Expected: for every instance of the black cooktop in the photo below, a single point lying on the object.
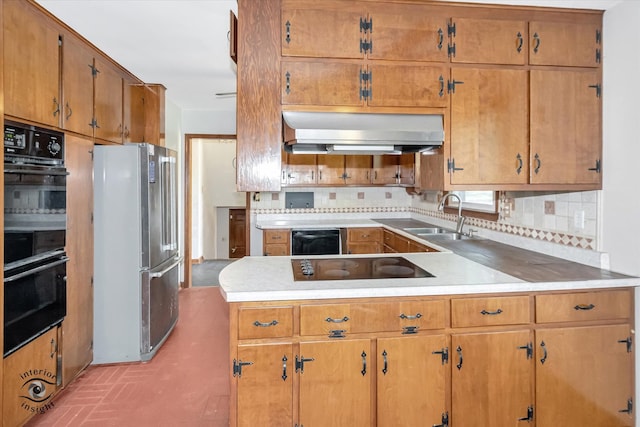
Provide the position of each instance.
(355, 268)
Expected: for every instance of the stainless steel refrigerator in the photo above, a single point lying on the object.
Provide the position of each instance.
(136, 259)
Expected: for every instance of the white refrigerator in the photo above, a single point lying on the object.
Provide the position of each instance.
(136, 259)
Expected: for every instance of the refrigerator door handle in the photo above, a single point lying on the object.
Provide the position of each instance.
(169, 238)
(161, 273)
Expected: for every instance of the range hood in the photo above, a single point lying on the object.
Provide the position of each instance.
(361, 133)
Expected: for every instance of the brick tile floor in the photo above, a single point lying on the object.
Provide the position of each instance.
(185, 384)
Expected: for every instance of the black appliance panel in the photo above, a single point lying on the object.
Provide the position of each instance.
(316, 242)
(356, 268)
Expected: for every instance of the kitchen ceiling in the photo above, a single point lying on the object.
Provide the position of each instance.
(184, 44)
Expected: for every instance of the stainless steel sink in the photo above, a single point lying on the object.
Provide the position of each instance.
(428, 230)
(447, 235)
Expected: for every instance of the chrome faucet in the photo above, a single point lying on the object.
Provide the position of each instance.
(461, 218)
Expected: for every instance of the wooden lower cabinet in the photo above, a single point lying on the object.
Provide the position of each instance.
(292, 368)
(584, 376)
(30, 379)
(411, 381)
(491, 379)
(265, 385)
(335, 383)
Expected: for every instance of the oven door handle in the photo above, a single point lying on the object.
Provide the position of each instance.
(36, 270)
(37, 172)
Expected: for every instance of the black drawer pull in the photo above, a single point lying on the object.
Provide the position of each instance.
(265, 325)
(584, 307)
(410, 317)
(491, 313)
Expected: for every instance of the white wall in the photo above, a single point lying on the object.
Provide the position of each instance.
(621, 121)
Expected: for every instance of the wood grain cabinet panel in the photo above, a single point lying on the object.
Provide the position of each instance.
(489, 123)
(491, 379)
(31, 64)
(566, 127)
(411, 381)
(336, 383)
(572, 44)
(323, 318)
(265, 385)
(77, 85)
(108, 101)
(489, 41)
(583, 306)
(275, 242)
(398, 316)
(584, 376)
(365, 240)
(272, 322)
(467, 312)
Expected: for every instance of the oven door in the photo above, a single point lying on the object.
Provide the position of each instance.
(316, 242)
(34, 297)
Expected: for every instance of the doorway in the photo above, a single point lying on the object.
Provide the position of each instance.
(237, 233)
(209, 184)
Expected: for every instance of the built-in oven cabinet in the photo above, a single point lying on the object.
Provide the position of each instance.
(31, 377)
(275, 242)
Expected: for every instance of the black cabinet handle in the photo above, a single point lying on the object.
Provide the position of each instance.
(544, 352)
(265, 325)
(491, 313)
(284, 367)
(384, 366)
(337, 320)
(519, 160)
(536, 40)
(584, 307)
(519, 42)
(364, 363)
(536, 159)
(459, 350)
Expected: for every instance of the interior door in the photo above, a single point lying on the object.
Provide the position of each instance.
(237, 227)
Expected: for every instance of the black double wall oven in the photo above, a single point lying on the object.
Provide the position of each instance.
(34, 233)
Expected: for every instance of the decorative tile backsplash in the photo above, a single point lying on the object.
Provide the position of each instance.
(565, 218)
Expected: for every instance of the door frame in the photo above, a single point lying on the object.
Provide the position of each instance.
(188, 198)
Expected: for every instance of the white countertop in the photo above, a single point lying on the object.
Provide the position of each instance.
(271, 279)
(318, 223)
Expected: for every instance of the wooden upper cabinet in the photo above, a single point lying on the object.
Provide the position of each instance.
(407, 32)
(133, 115)
(348, 29)
(489, 126)
(299, 169)
(108, 101)
(154, 113)
(327, 29)
(344, 169)
(565, 44)
(77, 85)
(31, 64)
(393, 169)
(566, 127)
(400, 85)
(488, 41)
(321, 83)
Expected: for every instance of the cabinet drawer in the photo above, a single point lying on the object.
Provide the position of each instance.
(396, 316)
(583, 306)
(365, 234)
(276, 236)
(272, 322)
(322, 319)
(490, 311)
(276, 250)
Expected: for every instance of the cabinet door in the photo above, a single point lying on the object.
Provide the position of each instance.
(489, 41)
(407, 86)
(335, 383)
(385, 170)
(411, 375)
(133, 106)
(29, 379)
(407, 166)
(154, 114)
(327, 29)
(565, 43)
(407, 32)
(108, 102)
(265, 386)
(491, 379)
(489, 126)
(78, 323)
(584, 376)
(300, 169)
(566, 127)
(331, 169)
(31, 64)
(357, 169)
(77, 86)
(321, 83)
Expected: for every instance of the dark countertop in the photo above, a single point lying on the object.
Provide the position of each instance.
(524, 264)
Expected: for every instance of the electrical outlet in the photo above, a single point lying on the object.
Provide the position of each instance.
(578, 220)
